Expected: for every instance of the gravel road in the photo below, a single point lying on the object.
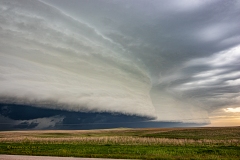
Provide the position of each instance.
(21, 157)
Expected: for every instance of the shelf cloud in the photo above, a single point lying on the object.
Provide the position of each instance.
(163, 60)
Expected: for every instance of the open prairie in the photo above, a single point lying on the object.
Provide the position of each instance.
(153, 143)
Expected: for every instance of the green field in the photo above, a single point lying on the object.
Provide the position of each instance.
(171, 143)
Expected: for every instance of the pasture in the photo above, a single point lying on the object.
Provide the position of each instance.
(125, 143)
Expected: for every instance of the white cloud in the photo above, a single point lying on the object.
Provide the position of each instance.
(41, 123)
(235, 110)
(210, 73)
(186, 5)
(65, 64)
(227, 57)
(235, 82)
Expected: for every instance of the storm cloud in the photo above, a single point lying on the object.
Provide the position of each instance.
(167, 61)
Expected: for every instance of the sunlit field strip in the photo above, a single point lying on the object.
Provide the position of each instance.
(185, 143)
(121, 140)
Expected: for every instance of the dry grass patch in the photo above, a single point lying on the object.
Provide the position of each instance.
(170, 143)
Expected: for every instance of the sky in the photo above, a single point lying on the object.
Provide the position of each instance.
(119, 63)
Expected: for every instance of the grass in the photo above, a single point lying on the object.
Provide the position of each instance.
(122, 151)
(200, 133)
(175, 143)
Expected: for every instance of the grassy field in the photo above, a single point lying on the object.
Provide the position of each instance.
(171, 143)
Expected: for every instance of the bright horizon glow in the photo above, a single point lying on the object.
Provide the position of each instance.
(225, 117)
(224, 121)
(232, 110)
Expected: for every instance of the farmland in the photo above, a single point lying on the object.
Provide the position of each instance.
(163, 143)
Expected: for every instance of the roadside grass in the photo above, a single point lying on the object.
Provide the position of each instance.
(175, 143)
(122, 151)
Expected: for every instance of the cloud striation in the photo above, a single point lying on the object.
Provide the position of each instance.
(163, 61)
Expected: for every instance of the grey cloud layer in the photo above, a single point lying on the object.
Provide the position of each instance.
(172, 60)
(218, 85)
(48, 59)
(190, 49)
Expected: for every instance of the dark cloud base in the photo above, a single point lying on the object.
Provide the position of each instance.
(22, 117)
